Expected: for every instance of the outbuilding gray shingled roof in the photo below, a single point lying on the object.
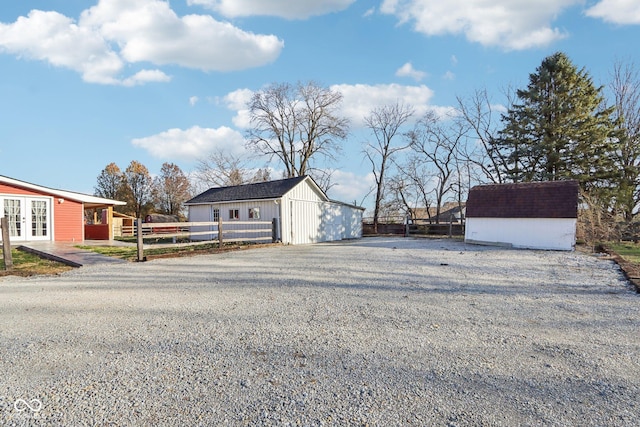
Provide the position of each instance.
(549, 199)
(256, 191)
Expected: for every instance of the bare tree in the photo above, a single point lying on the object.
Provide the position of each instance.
(437, 145)
(221, 169)
(139, 187)
(171, 189)
(478, 116)
(625, 87)
(296, 124)
(385, 123)
(416, 190)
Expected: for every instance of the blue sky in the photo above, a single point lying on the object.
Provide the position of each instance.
(85, 83)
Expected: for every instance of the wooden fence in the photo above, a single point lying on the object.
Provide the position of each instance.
(415, 226)
(204, 231)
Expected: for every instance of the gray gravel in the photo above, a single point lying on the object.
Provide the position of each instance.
(376, 332)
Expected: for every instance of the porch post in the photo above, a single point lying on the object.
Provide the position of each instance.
(110, 221)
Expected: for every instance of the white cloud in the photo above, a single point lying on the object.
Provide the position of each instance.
(616, 11)
(357, 101)
(115, 33)
(369, 12)
(298, 9)
(511, 24)
(350, 187)
(360, 99)
(449, 76)
(237, 101)
(192, 143)
(193, 100)
(146, 76)
(407, 70)
(52, 37)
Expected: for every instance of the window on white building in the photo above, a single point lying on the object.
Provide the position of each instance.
(254, 213)
(234, 214)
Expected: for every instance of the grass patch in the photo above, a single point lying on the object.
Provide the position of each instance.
(26, 264)
(130, 253)
(627, 250)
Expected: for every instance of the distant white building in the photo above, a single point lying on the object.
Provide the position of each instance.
(303, 212)
(533, 215)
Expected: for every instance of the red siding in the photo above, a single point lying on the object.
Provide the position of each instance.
(6, 189)
(68, 221)
(96, 231)
(68, 217)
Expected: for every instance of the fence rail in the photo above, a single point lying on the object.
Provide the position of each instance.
(203, 231)
(415, 226)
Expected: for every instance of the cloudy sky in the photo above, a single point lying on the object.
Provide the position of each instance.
(85, 83)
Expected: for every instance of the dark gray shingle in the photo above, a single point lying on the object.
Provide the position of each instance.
(257, 191)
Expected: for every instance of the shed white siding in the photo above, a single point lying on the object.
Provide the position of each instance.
(303, 213)
(268, 209)
(351, 222)
(526, 233)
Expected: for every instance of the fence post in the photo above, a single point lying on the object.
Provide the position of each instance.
(274, 230)
(407, 232)
(220, 231)
(6, 244)
(140, 240)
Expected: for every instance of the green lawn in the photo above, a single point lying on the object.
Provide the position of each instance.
(627, 250)
(26, 264)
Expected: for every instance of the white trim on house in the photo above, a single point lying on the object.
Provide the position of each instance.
(87, 199)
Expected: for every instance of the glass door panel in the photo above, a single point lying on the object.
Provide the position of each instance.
(39, 216)
(13, 213)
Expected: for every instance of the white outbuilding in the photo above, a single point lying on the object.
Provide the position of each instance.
(533, 215)
(301, 211)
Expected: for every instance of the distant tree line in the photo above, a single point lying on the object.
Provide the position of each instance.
(166, 193)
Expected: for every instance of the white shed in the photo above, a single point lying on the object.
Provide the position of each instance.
(533, 215)
(303, 212)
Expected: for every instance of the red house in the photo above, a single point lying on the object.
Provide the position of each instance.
(35, 213)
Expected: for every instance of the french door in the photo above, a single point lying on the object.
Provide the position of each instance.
(29, 218)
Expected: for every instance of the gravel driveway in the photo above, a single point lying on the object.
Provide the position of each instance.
(378, 332)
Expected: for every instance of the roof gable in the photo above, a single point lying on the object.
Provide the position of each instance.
(256, 191)
(550, 199)
(78, 197)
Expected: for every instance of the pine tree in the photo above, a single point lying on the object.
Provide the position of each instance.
(559, 128)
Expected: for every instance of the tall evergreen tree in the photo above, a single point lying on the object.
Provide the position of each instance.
(559, 128)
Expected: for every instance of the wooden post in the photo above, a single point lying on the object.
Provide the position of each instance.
(140, 240)
(274, 230)
(220, 231)
(6, 244)
(406, 226)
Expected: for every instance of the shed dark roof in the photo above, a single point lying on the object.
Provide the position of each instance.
(550, 199)
(257, 191)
